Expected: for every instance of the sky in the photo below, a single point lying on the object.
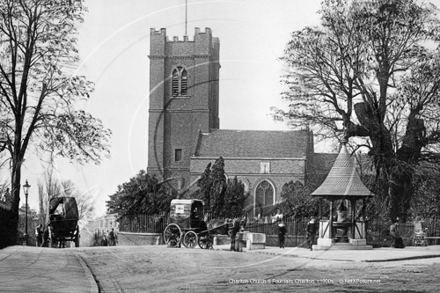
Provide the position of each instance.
(113, 42)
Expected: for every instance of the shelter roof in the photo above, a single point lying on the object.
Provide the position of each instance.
(343, 180)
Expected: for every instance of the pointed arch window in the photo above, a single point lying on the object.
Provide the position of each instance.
(179, 82)
(264, 197)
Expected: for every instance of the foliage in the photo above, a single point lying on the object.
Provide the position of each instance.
(426, 203)
(297, 200)
(205, 183)
(221, 198)
(235, 197)
(39, 89)
(371, 71)
(218, 188)
(142, 194)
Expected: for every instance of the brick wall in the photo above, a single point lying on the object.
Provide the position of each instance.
(175, 121)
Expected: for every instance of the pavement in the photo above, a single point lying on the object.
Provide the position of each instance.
(383, 254)
(41, 269)
(38, 269)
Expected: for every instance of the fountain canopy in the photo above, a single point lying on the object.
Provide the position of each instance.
(343, 181)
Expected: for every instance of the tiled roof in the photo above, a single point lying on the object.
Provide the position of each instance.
(253, 144)
(343, 180)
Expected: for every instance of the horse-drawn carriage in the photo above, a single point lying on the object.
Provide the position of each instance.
(186, 225)
(63, 221)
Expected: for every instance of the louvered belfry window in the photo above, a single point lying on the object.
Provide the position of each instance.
(179, 82)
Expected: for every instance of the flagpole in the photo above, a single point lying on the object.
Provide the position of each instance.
(186, 17)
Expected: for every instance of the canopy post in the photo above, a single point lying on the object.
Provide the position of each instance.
(330, 224)
(353, 220)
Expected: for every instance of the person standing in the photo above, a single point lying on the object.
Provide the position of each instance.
(394, 232)
(112, 237)
(235, 229)
(47, 237)
(311, 233)
(104, 240)
(281, 234)
(39, 235)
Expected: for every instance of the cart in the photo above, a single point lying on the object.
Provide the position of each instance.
(63, 221)
(186, 225)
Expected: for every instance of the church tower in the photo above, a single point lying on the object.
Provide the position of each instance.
(184, 101)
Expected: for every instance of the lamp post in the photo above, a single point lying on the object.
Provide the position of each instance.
(26, 192)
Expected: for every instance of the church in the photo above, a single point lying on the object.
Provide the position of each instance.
(184, 127)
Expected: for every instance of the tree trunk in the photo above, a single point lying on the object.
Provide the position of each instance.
(12, 238)
(7, 232)
(382, 153)
(401, 192)
(394, 167)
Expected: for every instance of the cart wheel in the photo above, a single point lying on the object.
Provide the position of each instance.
(172, 235)
(190, 239)
(205, 242)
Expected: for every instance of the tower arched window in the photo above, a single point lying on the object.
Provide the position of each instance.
(179, 82)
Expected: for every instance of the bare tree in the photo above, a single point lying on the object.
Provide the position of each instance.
(52, 188)
(39, 89)
(84, 200)
(371, 71)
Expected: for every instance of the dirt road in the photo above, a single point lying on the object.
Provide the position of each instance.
(161, 269)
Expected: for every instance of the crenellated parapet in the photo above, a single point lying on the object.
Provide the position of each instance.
(203, 45)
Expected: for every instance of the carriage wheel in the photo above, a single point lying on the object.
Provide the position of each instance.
(205, 242)
(190, 239)
(172, 235)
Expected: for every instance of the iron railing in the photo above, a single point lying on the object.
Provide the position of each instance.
(296, 228)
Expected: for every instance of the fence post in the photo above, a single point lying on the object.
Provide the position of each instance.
(296, 231)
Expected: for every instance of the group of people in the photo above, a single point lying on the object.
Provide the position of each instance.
(233, 227)
(311, 230)
(42, 236)
(109, 238)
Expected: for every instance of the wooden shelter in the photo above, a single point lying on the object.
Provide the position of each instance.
(343, 184)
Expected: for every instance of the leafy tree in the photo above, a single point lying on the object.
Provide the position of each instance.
(218, 188)
(221, 198)
(142, 194)
(297, 200)
(39, 89)
(371, 71)
(205, 183)
(426, 202)
(235, 197)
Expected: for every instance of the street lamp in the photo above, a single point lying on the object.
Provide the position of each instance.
(26, 192)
